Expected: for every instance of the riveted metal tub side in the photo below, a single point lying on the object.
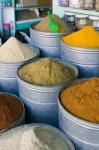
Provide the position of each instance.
(41, 112)
(79, 144)
(49, 43)
(41, 103)
(38, 94)
(84, 134)
(45, 38)
(87, 60)
(80, 55)
(53, 51)
(8, 80)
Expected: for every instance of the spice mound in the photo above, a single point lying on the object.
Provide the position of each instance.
(29, 137)
(82, 99)
(46, 72)
(13, 51)
(10, 110)
(44, 25)
(87, 37)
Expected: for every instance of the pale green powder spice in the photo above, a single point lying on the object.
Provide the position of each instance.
(46, 72)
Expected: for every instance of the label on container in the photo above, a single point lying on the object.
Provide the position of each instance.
(70, 19)
(88, 4)
(97, 5)
(7, 31)
(80, 22)
(74, 3)
(95, 23)
(64, 3)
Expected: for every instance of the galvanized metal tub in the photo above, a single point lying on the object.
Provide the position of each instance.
(20, 120)
(49, 43)
(87, 60)
(41, 101)
(8, 75)
(84, 134)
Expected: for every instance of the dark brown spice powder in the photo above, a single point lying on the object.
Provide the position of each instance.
(10, 110)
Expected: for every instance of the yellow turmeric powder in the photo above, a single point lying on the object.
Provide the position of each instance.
(87, 37)
(82, 99)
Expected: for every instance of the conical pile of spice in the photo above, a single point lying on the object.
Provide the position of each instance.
(44, 24)
(87, 37)
(82, 99)
(14, 51)
(47, 72)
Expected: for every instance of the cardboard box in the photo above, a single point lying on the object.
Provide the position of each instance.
(27, 3)
(44, 2)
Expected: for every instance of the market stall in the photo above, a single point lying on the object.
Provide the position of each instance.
(49, 75)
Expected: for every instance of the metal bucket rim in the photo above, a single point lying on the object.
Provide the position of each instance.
(70, 135)
(69, 65)
(21, 115)
(6, 78)
(10, 65)
(75, 63)
(48, 33)
(72, 117)
(40, 46)
(38, 87)
(34, 102)
(85, 50)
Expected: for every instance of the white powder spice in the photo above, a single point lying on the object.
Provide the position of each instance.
(29, 137)
(40, 138)
(10, 140)
(14, 51)
(75, 3)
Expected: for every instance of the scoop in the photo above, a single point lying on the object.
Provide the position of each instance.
(54, 26)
